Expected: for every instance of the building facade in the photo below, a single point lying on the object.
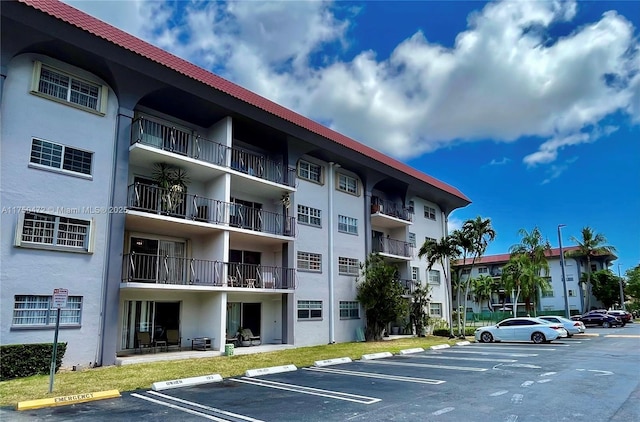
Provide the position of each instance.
(166, 198)
(549, 300)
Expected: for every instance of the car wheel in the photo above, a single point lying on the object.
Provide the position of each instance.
(569, 335)
(623, 324)
(606, 324)
(486, 337)
(538, 338)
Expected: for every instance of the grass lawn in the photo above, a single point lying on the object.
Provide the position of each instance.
(134, 377)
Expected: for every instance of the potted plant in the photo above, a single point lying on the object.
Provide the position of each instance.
(172, 182)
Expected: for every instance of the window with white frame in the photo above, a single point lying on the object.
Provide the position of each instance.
(572, 293)
(569, 278)
(431, 239)
(347, 184)
(349, 310)
(347, 224)
(466, 271)
(434, 277)
(415, 273)
(66, 88)
(547, 293)
(308, 261)
(412, 239)
(60, 157)
(310, 216)
(37, 230)
(429, 212)
(411, 207)
(309, 309)
(483, 270)
(30, 311)
(309, 171)
(348, 266)
(435, 310)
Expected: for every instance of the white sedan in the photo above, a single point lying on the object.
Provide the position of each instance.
(521, 329)
(572, 327)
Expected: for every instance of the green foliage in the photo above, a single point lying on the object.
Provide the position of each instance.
(444, 332)
(633, 283)
(419, 312)
(380, 294)
(25, 360)
(606, 287)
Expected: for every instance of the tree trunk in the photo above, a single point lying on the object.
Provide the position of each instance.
(588, 289)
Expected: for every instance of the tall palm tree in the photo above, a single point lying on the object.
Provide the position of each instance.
(478, 233)
(513, 276)
(535, 248)
(440, 252)
(591, 244)
(464, 244)
(483, 287)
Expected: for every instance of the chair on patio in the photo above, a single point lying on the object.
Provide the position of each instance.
(229, 339)
(174, 339)
(143, 338)
(248, 339)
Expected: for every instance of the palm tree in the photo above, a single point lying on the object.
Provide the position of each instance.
(535, 249)
(477, 233)
(483, 287)
(513, 274)
(465, 246)
(440, 252)
(591, 244)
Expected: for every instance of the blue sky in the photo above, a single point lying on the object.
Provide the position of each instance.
(531, 108)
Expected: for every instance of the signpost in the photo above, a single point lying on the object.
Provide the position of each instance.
(60, 297)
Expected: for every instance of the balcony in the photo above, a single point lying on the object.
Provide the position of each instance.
(158, 201)
(389, 214)
(408, 286)
(393, 248)
(154, 269)
(148, 135)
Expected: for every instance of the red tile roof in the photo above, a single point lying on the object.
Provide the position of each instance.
(122, 39)
(501, 258)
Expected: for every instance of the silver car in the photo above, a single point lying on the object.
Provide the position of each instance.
(572, 327)
(521, 329)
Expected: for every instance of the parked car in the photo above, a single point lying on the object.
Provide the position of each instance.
(624, 316)
(572, 327)
(597, 318)
(521, 329)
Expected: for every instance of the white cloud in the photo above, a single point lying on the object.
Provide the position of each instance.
(500, 162)
(555, 170)
(454, 223)
(504, 78)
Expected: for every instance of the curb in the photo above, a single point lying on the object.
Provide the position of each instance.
(410, 351)
(67, 400)
(270, 370)
(377, 355)
(463, 343)
(328, 362)
(439, 346)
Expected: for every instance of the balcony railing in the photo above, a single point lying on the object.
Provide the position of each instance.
(390, 208)
(393, 247)
(409, 286)
(151, 268)
(198, 208)
(167, 138)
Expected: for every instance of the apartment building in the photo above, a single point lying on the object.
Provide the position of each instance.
(166, 198)
(551, 299)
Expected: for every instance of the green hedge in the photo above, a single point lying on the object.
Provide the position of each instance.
(25, 360)
(444, 332)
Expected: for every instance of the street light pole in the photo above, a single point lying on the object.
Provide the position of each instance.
(624, 308)
(564, 280)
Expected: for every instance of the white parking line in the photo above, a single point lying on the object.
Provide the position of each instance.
(517, 398)
(338, 395)
(459, 358)
(536, 349)
(546, 374)
(527, 384)
(544, 381)
(212, 409)
(511, 418)
(422, 365)
(442, 411)
(182, 409)
(469, 352)
(499, 393)
(378, 376)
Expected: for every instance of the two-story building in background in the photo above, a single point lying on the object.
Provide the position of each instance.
(550, 300)
(164, 197)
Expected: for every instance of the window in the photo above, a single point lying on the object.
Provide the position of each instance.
(350, 266)
(347, 184)
(569, 278)
(594, 267)
(430, 239)
(483, 270)
(466, 271)
(429, 213)
(434, 277)
(547, 293)
(411, 207)
(56, 156)
(415, 273)
(308, 215)
(572, 293)
(38, 230)
(412, 239)
(308, 261)
(35, 311)
(349, 310)
(435, 309)
(60, 86)
(347, 224)
(309, 309)
(309, 171)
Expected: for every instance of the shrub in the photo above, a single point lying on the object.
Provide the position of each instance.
(25, 360)
(444, 332)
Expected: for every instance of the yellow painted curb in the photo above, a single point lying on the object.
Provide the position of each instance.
(65, 400)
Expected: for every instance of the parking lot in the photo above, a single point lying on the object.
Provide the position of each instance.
(594, 377)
